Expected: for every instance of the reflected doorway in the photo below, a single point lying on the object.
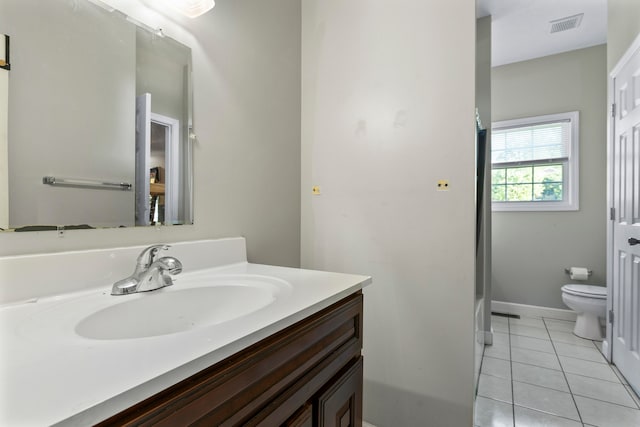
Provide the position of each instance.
(157, 165)
(163, 173)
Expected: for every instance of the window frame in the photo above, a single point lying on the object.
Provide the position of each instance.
(570, 174)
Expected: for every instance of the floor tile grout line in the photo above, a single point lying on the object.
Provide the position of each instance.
(541, 386)
(557, 356)
(495, 376)
(580, 358)
(573, 398)
(605, 401)
(563, 355)
(491, 357)
(632, 394)
(567, 392)
(595, 378)
(495, 399)
(600, 379)
(529, 326)
(537, 366)
(529, 349)
(550, 413)
(619, 375)
(526, 407)
(592, 346)
(576, 344)
(529, 336)
(480, 369)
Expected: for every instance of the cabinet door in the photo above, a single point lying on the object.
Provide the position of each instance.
(340, 405)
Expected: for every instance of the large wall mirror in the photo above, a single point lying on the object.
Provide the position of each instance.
(99, 119)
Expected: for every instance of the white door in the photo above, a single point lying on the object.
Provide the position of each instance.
(143, 154)
(625, 272)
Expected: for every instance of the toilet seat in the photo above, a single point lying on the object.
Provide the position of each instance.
(587, 291)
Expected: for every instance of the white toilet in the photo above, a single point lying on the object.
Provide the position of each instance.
(590, 303)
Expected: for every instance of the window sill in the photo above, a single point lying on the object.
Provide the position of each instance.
(534, 207)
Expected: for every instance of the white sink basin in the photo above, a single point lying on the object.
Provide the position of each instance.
(189, 304)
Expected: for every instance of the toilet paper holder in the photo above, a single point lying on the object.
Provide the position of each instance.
(568, 271)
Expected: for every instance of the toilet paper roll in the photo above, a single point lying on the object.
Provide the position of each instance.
(578, 273)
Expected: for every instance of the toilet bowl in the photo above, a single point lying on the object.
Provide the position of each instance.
(590, 303)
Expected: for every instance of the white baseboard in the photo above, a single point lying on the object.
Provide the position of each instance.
(488, 337)
(605, 349)
(532, 310)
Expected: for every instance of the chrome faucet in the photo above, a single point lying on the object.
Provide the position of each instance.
(150, 273)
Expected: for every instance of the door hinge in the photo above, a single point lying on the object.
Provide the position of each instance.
(612, 214)
(613, 110)
(611, 316)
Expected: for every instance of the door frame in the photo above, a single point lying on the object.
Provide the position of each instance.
(172, 165)
(142, 151)
(607, 348)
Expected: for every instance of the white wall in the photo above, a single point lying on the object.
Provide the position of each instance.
(387, 111)
(246, 57)
(532, 249)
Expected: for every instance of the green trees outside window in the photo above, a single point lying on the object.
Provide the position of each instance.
(527, 183)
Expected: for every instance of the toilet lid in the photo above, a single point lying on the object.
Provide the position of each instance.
(586, 290)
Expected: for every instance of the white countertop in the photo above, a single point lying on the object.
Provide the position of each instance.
(51, 375)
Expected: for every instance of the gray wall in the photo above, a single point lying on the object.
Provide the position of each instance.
(623, 27)
(246, 57)
(388, 110)
(531, 249)
(163, 69)
(161, 65)
(56, 109)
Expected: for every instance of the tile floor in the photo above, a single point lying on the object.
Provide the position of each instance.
(537, 373)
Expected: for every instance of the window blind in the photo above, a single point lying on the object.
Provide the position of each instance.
(532, 143)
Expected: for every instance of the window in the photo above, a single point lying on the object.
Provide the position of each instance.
(535, 163)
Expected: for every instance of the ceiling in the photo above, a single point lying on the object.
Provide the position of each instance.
(521, 28)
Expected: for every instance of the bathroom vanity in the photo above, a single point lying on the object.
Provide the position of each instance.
(308, 374)
(230, 343)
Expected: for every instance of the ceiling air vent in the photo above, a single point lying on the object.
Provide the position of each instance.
(568, 23)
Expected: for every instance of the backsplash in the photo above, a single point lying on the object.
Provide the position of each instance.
(34, 276)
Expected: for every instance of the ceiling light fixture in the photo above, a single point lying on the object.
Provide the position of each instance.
(191, 8)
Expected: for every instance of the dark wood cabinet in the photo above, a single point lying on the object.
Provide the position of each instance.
(341, 404)
(302, 418)
(308, 375)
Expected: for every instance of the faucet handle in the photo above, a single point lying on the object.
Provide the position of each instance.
(170, 265)
(148, 255)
